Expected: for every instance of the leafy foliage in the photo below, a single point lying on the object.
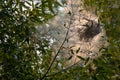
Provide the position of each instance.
(25, 56)
(20, 49)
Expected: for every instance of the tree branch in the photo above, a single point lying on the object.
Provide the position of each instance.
(62, 70)
(45, 75)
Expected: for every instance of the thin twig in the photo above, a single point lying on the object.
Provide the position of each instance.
(58, 50)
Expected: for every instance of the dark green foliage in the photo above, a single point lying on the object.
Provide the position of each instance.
(18, 43)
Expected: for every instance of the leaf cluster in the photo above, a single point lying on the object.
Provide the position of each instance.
(20, 50)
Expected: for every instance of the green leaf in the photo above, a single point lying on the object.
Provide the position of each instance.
(26, 7)
(28, 3)
(57, 3)
(50, 6)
